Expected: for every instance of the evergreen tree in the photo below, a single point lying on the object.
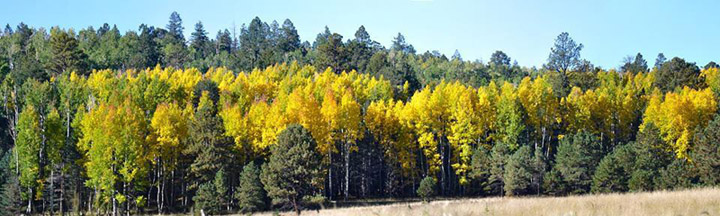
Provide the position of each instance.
(205, 199)
(707, 153)
(249, 193)
(635, 65)
(199, 41)
(332, 53)
(518, 172)
(400, 45)
(10, 201)
(360, 50)
(211, 197)
(224, 42)
(290, 40)
(575, 161)
(660, 60)
(480, 169)
(66, 56)
(677, 175)
(651, 156)
(426, 189)
(254, 44)
(553, 183)
(614, 170)
(539, 165)
(175, 28)
(677, 73)
(498, 161)
(209, 147)
(564, 55)
(293, 172)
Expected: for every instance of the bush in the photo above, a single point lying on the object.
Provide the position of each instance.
(427, 188)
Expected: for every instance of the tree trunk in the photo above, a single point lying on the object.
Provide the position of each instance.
(442, 168)
(295, 206)
(29, 206)
(52, 191)
(347, 170)
(330, 179)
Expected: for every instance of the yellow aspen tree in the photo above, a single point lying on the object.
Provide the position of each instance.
(679, 114)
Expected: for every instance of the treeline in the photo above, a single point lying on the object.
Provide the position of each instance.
(338, 120)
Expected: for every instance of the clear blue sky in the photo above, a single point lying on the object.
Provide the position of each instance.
(525, 30)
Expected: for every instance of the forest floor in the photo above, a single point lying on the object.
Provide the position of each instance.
(704, 201)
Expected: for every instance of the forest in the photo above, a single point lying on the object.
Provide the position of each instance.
(95, 121)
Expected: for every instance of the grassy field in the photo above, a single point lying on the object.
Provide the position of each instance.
(688, 202)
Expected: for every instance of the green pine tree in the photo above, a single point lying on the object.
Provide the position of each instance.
(575, 161)
(707, 153)
(498, 160)
(293, 172)
(614, 170)
(249, 193)
(518, 172)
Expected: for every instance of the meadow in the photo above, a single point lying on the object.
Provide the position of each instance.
(684, 202)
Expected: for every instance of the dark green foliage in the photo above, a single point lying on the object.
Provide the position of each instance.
(211, 196)
(10, 200)
(208, 174)
(553, 183)
(650, 158)
(677, 73)
(208, 86)
(501, 68)
(575, 161)
(175, 28)
(635, 65)
(499, 157)
(706, 154)
(293, 171)
(614, 170)
(480, 169)
(711, 64)
(660, 60)
(426, 189)
(66, 56)
(399, 44)
(209, 147)
(199, 42)
(332, 53)
(564, 55)
(539, 168)
(518, 172)
(360, 50)
(249, 193)
(254, 44)
(678, 175)
(290, 40)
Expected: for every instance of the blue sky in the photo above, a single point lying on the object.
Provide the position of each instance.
(525, 30)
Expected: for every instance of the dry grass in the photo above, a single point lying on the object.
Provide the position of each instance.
(688, 202)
